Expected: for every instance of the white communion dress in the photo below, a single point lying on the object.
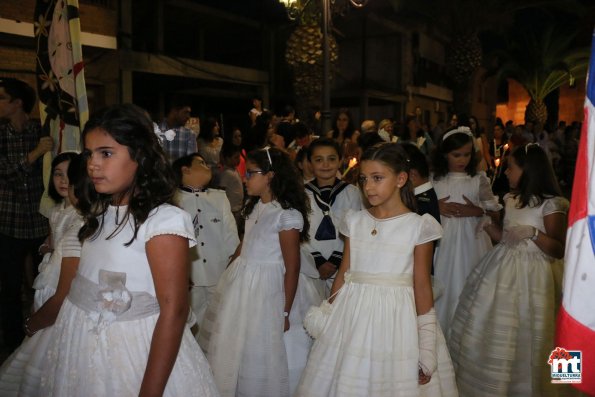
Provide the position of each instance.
(503, 329)
(242, 331)
(369, 345)
(20, 374)
(103, 333)
(61, 219)
(461, 247)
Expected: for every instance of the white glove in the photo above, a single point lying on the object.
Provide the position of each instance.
(482, 224)
(518, 233)
(426, 331)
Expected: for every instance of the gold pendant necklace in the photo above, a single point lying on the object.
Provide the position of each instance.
(374, 230)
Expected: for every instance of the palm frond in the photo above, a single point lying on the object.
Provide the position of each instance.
(542, 61)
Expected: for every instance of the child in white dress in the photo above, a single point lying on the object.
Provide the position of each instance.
(122, 329)
(464, 198)
(242, 332)
(503, 329)
(20, 375)
(382, 337)
(60, 218)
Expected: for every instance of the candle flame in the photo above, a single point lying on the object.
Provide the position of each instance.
(497, 162)
(352, 163)
(506, 147)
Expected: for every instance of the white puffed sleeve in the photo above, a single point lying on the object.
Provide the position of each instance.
(555, 205)
(344, 228)
(290, 219)
(70, 244)
(489, 201)
(429, 229)
(167, 219)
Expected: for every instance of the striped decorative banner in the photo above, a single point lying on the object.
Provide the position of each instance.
(60, 77)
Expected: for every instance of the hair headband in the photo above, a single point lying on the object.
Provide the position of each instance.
(528, 145)
(460, 130)
(266, 148)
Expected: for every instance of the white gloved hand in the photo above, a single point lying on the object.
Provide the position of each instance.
(426, 330)
(518, 233)
(482, 224)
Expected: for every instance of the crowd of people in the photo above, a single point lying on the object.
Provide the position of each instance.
(282, 260)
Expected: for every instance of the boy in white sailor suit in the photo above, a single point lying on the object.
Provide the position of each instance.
(330, 198)
(214, 227)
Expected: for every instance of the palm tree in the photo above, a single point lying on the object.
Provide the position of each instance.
(542, 61)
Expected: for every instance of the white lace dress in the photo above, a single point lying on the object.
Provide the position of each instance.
(102, 336)
(20, 374)
(503, 329)
(461, 247)
(369, 346)
(242, 331)
(61, 219)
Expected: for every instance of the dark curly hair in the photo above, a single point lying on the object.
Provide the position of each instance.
(538, 180)
(154, 183)
(286, 185)
(394, 157)
(445, 146)
(77, 175)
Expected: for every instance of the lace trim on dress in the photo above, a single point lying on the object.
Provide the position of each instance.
(555, 205)
(190, 237)
(291, 219)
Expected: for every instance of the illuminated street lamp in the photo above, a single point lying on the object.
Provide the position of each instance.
(293, 8)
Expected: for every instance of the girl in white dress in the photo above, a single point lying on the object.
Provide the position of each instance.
(242, 331)
(382, 337)
(122, 329)
(60, 218)
(503, 329)
(20, 374)
(464, 198)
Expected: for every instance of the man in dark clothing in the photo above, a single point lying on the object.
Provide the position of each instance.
(22, 228)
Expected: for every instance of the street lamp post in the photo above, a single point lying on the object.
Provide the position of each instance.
(326, 68)
(294, 9)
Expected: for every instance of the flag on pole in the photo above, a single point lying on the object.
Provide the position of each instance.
(575, 329)
(60, 77)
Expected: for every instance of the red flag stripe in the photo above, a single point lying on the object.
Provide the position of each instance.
(573, 335)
